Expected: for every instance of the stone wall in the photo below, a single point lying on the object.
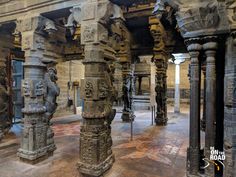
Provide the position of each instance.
(77, 73)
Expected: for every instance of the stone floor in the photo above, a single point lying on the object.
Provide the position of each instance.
(154, 151)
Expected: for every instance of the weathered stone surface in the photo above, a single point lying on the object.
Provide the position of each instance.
(230, 107)
(4, 97)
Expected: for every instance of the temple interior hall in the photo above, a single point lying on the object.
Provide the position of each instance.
(117, 88)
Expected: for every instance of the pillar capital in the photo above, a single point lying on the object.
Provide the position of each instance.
(193, 44)
(36, 23)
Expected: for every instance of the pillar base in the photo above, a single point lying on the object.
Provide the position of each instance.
(127, 116)
(193, 161)
(33, 157)
(210, 170)
(96, 170)
(161, 120)
(50, 141)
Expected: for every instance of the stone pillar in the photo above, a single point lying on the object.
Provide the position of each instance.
(152, 89)
(193, 155)
(203, 120)
(4, 98)
(177, 89)
(97, 90)
(127, 73)
(210, 47)
(34, 141)
(160, 60)
(230, 107)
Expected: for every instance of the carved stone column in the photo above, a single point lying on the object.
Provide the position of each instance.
(34, 140)
(127, 89)
(124, 55)
(193, 155)
(160, 60)
(3, 94)
(98, 93)
(210, 47)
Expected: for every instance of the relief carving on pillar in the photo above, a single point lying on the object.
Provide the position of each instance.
(89, 89)
(88, 34)
(160, 60)
(4, 99)
(33, 88)
(103, 90)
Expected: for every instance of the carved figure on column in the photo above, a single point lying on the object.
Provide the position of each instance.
(127, 89)
(52, 92)
(160, 60)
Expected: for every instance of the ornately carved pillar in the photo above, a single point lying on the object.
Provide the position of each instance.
(96, 155)
(35, 144)
(127, 88)
(3, 94)
(160, 60)
(193, 155)
(210, 47)
(124, 56)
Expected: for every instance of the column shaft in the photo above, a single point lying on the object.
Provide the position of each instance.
(194, 133)
(210, 51)
(177, 89)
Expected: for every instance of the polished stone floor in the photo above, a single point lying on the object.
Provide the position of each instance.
(154, 151)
